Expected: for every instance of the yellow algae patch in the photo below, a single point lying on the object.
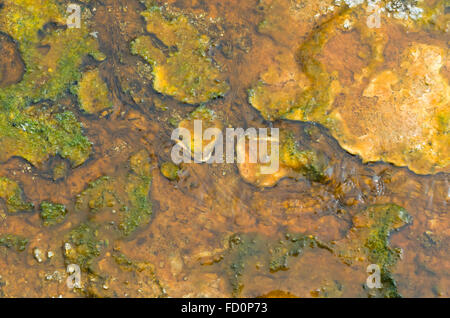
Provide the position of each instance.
(398, 115)
(406, 121)
(286, 20)
(51, 55)
(280, 89)
(22, 19)
(93, 93)
(317, 92)
(181, 66)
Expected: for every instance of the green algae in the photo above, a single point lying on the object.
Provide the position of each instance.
(52, 55)
(16, 242)
(293, 246)
(82, 245)
(138, 188)
(181, 68)
(436, 17)
(22, 19)
(148, 269)
(372, 228)
(136, 277)
(98, 194)
(52, 60)
(241, 248)
(309, 163)
(125, 197)
(369, 240)
(202, 113)
(251, 250)
(38, 132)
(52, 213)
(13, 196)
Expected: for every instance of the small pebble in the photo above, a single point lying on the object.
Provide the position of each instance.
(38, 255)
(67, 247)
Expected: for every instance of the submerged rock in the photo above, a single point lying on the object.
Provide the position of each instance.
(11, 64)
(123, 199)
(38, 255)
(181, 66)
(117, 275)
(170, 170)
(93, 93)
(16, 242)
(12, 194)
